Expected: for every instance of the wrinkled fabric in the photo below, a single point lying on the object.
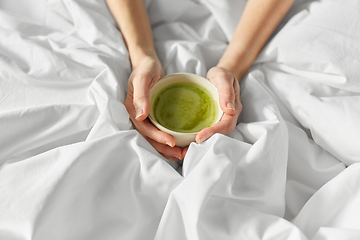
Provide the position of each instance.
(73, 167)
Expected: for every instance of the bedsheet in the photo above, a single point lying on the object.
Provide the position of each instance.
(72, 166)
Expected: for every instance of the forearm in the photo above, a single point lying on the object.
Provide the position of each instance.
(259, 20)
(132, 19)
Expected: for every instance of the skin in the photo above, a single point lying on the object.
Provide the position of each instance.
(259, 20)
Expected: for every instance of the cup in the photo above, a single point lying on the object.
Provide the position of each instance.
(183, 139)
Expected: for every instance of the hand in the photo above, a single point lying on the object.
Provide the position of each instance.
(145, 74)
(229, 97)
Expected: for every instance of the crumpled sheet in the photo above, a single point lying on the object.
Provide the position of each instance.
(72, 166)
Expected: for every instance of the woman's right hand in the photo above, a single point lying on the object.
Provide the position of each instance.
(146, 72)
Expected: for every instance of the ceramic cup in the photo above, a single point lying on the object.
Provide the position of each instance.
(182, 139)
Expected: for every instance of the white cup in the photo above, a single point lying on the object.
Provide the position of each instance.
(183, 139)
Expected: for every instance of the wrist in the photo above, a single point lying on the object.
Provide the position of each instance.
(137, 54)
(232, 67)
(237, 62)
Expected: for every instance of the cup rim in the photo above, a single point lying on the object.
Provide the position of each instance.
(171, 132)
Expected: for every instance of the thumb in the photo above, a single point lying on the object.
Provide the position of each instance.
(225, 87)
(141, 100)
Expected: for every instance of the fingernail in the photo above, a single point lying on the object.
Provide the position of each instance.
(202, 140)
(139, 112)
(179, 158)
(168, 143)
(230, 106)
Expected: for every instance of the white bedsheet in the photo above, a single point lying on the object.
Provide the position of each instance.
(72, 167)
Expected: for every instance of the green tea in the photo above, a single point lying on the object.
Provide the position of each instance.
(184, 107)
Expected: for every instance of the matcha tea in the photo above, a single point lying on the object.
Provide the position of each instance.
(184, 107)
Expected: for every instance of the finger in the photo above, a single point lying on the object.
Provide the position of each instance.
(238, 105)
(224, 83)
(141, 85)
(165, 150)
(174, 159)
(146, 128)
(225, 126)
(184, 151)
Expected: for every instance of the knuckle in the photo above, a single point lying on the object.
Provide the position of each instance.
(139, 99)
(228, 93)
(230, 127)
(240, 107)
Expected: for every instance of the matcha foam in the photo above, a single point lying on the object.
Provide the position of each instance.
(184, 107)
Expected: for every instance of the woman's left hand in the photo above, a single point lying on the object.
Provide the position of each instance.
(229, 97)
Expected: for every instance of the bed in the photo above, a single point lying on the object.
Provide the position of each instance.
(72, 166)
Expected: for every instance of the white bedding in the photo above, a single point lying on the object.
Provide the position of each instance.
(72, 167)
